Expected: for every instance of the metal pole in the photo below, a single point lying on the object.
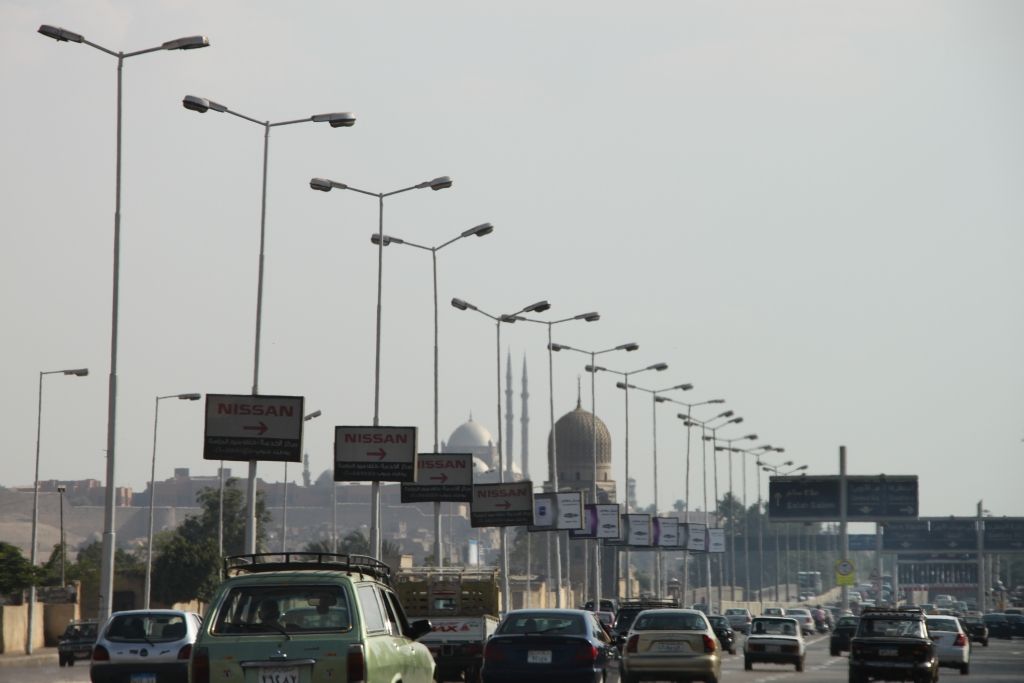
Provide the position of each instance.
(554, 466)
(707, 510)
(686, 513)
(63, 553)
(35, 520)
(718, 511)
(147, 590)
(981, 556)
(844, 540)
(657, 556)
(284, 512)
(375, 543)
(732, 528)
(746, 531)
(760, 540)
(220, 513)
(593, 438)
(629, 578)
(438, 547)
(506, 605)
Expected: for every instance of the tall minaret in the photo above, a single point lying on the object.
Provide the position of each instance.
(525, 422)
(509, 419)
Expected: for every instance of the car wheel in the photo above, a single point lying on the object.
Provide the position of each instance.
(965, 668)
(984, 643)
(800, 665)
(61, 660)
(732, 650)
(834, 651)
(711, 679)
(856, 678)
(747, 664)
(70, 660)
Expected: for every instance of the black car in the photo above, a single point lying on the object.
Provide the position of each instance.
(893, 645)
(1016, 624)
(841, 635)
(726, 636)
(628, 609)
(998, 625)
(976, 629)
(76, 642)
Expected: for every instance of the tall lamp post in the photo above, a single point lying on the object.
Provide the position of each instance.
(625, 380)
(655, 395)
(538, 307)
(284, 502)
(106, 587)
(202, 105)
(152, 493)
(762, 512)
(326, 185)
(384, 240)
(754, 451)
(590, 317)
(732, 516)
(78, 372)
(63, 554)
(776, 470)
(631, 346)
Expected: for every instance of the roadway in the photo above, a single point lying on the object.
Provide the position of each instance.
(1001, 662)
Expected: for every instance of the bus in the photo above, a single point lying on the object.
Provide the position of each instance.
(809, 583)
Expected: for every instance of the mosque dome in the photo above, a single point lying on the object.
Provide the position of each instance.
(469, 435)
(575, 432)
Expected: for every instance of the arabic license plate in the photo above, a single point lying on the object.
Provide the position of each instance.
(538, 657)
(667, 646)
(278, 674)
(888, 651)
(143, 678)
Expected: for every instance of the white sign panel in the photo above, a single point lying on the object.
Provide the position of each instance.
(607, 520)
(441, 477)
(570, 510)
(544, 512)
(695, 537)
(375, 454)
(666, 532)
(508, 504)
(638, 529)
(247, 427)
(716, 540)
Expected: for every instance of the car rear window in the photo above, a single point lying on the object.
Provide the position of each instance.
(942, 625)
(527, 622)
(263, 608)
(893, 628)
(669, 622)
(773, 627)
(146, 628)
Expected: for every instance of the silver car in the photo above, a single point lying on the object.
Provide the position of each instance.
(144, 646)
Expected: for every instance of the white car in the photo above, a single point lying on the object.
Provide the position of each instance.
(803, 616)
(145, 646)
(775, 640)
(952, 646)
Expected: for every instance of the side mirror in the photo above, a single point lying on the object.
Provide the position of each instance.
(419, 628)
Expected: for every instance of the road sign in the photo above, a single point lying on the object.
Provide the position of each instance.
(442, 478)
(559, 512)
(905, 536)
(1004, 534)
(816, 499)
(860, 541)
(696, 537)
(247, 427)
(846, 574)
(569, 506)
(953, 535)
(666, 532)
(507, 504)
(716, 540)
(607, 516)
(638, 529)
(375, 454)
(544, 512)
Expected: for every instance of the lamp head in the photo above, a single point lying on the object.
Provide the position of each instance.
(658, 366)
(621, 385)
(750, 436)
(187, 43)
(440, 183)
(779, 450)
(592, 368)
(323, 184)
(727, 413)
(60, 34)
(716, 400)
(462, 305)
(479, 230)
(201, 104)
(538, 307)
(315, 413)
(555, 346)
(388, 239)
(189, 397)
(341, 119)
(78, 372)
(661, 399)
(735, 420)
(684, 387)
(593, 316)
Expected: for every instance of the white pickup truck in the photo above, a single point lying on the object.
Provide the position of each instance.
(462, 606)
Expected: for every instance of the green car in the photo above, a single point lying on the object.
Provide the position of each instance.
(308, 618)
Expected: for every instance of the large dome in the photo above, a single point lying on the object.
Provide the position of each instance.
(469, 435)
(575, 431)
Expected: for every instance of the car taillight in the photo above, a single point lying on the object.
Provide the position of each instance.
(586, 653)
(494, 652)
(100, 654)
(709, 643)
(960, 640)
(201, 666)
(355, 664)
(185, 652)
(632, 643)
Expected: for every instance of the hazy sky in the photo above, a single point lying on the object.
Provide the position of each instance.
(812, 209)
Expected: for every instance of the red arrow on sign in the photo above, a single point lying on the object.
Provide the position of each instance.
(440, 477)
(257, 428)
(504, 504)
(380, 453)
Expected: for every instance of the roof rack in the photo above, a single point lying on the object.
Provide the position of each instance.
(252, 563)
(894, 611)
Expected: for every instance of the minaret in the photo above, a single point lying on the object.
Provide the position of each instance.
(509, 418)
(305, 470)
(525, 422)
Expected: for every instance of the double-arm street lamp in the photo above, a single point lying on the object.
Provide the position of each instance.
(732, 512)
(78, 372)
(385, 240)
(777, 471)
(631, 346)
(106, 587)
(754, 451)
(326, 185)
(655, 396)
(538, 307)
(761, 512)
(625, 380)
(590, 317)
(335, 120)
(147, 590)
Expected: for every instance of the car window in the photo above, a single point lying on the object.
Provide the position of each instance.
(598, 630)
(257, 609)
(894, 628)
(373, 617)
(773, 627)
(942, 625)
(534, 622)
(396, 615)
(141, 628)
(669, 622)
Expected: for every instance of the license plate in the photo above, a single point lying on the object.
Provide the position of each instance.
(888, 652)
(667, 646)
(143, 678)
(278, 675)
(538, 657)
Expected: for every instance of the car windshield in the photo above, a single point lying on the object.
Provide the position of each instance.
(847, 621)
(257, 609)
(144, 627)
(80, 631)
(942, 625)
(735, 612)
(893, 628)
(773, 627)
(543, 622)
(668, 621)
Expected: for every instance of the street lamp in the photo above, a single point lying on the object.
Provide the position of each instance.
(631, 346)
(79, 372)
(755, 451)
(326, 185)
(589, 317)
(537, 307)
(152, 493)
(655, 395)
(284, 501)
(732, 515)
(776, 470)
(106, 587)
(202, 105)
(384, 240)
(625, 378)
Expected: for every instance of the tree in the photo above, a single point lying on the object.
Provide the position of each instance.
(16, 572)
(355, 543)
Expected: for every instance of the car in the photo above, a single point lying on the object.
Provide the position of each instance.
(892, 645)
(300, 617)
(144, 646)
(976, 629)
(739, 618)
(628, 609)
(998, 625)
(839, 641)
(803, 616)
(1016, 624)
(724, 632)
(952, 646)
(566, 645)
(773, 612)
(775, 640)
(671, 643)
(76, 642)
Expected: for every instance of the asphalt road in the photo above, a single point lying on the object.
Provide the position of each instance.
(1001, 662)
